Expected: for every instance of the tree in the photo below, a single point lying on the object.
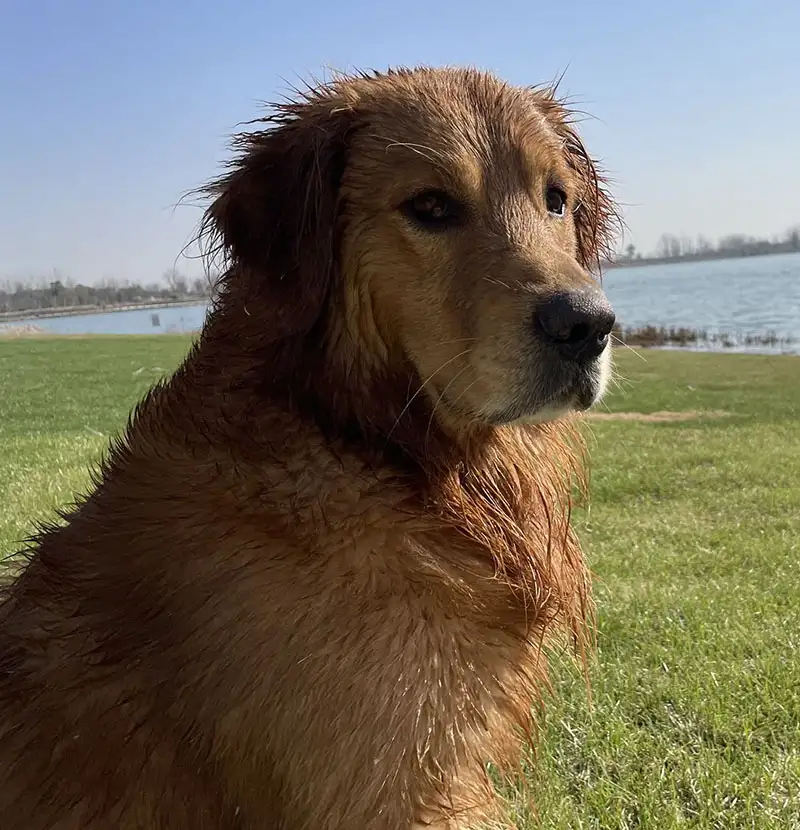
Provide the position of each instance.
(664, 246)
(176, 282)
(703, 246)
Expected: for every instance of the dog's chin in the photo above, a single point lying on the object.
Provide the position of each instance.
(544, 413)
(550, 398)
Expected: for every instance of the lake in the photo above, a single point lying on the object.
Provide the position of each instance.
(165, 320)
(736, 297)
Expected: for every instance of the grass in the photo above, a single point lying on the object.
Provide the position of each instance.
(692, 531)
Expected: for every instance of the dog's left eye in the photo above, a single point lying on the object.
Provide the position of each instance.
(556, 201)
(434, 209)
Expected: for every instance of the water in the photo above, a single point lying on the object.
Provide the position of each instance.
(737, 297)
(170, 319)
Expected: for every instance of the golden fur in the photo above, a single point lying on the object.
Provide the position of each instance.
(311, 584)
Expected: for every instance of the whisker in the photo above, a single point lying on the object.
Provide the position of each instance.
(465, 390)
(420, 388)
(621, 342)
(495, 281)
(420, 149)
(441, 396)
(455, 340)
(620, 381)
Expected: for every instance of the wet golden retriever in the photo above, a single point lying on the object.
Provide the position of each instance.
(312, 582)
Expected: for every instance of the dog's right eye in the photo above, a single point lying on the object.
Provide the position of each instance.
(434, 210)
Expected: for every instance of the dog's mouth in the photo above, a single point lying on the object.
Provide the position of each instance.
(550, 392)
(588, 387)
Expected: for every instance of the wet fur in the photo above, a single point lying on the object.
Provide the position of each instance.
(297, 595)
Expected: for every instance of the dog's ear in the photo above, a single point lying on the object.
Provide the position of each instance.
(274, 214)
(596, 217)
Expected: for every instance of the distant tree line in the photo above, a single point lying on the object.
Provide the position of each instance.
(60, 292)
(671, 247)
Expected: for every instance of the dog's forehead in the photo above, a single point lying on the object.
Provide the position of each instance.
(458, 113)
(488, 136)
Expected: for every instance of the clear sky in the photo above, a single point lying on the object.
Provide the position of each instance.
(111, 110)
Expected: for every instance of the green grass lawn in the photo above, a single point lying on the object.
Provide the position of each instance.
(692, 532)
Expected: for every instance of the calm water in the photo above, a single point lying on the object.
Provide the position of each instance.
(168, 320)
(737, 297)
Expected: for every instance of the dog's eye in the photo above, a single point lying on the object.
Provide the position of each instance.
(434, 209)
(556, 201)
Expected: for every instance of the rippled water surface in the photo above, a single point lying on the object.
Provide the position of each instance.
(738, 297)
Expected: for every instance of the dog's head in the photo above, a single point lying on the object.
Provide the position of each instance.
(434, 219)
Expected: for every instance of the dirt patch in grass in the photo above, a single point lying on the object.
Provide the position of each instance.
(655, 417)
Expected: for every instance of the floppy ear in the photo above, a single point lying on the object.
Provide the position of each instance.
(274, 214)
(595, 213)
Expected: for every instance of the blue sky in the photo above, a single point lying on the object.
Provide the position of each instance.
(111, 110)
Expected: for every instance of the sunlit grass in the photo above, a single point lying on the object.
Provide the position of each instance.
(692, 532)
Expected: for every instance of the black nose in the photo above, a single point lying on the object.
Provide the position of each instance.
(577, 323)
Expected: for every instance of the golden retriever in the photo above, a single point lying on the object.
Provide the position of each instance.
(311, 585)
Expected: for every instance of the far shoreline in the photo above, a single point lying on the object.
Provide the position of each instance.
(78, 311)
(711, 256)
